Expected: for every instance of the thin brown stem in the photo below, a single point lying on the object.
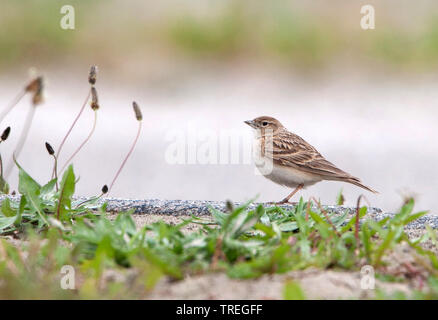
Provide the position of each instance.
(12, 104)
(83, 143)
(127, 156)
(217, 253)
(307, 210)
(71, 127)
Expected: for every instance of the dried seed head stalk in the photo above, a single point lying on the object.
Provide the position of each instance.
(12, 104)
(50, 149)
(22, 139)
(104, 189)
(86, 139)
(36, 87)
(95, 106)
(94, 99)
(137, 111)
(5, 134)
(139, 117)
(37, 98)
(92, 76)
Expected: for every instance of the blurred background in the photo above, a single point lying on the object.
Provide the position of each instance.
(366, 99)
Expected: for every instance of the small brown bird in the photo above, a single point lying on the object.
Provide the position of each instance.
(289, 160)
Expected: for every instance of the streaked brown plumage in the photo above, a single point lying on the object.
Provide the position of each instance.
(296, 163)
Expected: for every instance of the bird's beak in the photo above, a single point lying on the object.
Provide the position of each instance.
(250, 123)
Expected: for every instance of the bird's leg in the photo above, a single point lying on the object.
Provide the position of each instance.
(286, 200)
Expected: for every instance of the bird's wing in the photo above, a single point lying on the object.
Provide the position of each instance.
(289, 149)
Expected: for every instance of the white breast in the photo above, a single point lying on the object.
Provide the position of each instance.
(286, 176)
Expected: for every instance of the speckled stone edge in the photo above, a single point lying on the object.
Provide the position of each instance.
(197, 207)
(202, 207)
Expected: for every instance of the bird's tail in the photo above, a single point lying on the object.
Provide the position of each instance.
(357, 182)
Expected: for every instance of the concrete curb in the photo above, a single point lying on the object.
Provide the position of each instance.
(202, 207)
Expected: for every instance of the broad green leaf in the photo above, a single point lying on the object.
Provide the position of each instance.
(219, 216)
(303, 225)
(265, 219)
(384, 246)
(304, 246)
(4, 186)
(103, 207)
(233, 215)
(288, 226)
(6, 222)
(367, 241)
(301, 205)
(29, 188)
(405, 211)
(338, 219)
(6, 208)
(48, 189)
(267, 230)
(377, 227)
(245, 221)
(340, 199)
(318, 219)
(20, 210)
(66, 191)
(323, 226)
(238, 244)
(26, 183)
(414, 217)
(125, 223)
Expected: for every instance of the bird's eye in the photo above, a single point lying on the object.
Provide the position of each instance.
(264, 123)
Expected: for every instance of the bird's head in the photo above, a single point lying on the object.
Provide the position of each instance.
(264, 123)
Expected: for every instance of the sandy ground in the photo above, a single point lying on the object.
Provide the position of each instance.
(316, 284)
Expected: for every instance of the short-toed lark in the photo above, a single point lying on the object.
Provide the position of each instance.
(288, 160)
